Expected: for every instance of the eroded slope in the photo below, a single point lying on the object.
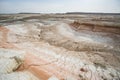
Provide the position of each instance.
(60, 49)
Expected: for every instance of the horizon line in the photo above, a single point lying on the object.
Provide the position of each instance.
(63, 13)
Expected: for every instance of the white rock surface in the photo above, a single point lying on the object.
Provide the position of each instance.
(25, 75)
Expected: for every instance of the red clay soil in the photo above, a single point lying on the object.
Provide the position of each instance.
(43, 69)
(38, 67)
(4, 41)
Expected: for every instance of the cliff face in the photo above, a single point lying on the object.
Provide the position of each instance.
(96, 27)
(59, 47)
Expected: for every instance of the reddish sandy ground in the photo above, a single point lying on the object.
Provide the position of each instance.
(4, 41)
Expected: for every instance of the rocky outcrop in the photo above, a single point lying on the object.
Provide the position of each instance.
(96, 27)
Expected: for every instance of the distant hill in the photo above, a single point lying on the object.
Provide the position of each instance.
(28, 13)
(93, 13)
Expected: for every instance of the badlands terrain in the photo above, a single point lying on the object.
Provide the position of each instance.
(59, 47)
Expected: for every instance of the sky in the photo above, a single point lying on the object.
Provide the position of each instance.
(59, 6)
